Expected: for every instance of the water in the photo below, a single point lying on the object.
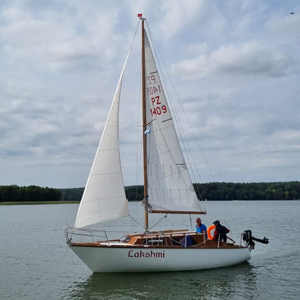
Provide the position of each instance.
(35, 262)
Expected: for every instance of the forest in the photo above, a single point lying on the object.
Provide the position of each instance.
(249, 191)
(32, 193)
(210, 191)
(235, 191)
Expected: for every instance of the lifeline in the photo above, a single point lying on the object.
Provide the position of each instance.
(147, 254)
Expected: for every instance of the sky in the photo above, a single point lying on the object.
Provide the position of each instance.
(235, 65)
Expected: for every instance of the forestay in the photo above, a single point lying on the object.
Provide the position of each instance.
(169, 184)
(104, 195)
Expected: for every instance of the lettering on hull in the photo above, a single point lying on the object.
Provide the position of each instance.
(146, 254)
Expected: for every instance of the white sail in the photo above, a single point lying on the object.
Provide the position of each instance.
(169, 184)
(104, 195)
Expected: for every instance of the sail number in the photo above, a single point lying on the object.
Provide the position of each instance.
(151, 79)
(159, 109)
(154, 90)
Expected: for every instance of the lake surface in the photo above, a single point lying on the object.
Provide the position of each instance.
(35, 262)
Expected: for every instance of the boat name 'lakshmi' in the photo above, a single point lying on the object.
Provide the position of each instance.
(147, 254)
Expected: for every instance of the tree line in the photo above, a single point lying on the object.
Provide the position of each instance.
(32, 193)
(210, 191)
(217, 191)
(235, 191)
(249, 191)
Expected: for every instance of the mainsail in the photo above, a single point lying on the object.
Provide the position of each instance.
(169, 185)
(104, 195)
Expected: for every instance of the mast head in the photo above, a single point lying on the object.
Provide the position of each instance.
(141, 17)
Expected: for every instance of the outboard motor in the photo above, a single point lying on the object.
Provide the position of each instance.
(249, 239)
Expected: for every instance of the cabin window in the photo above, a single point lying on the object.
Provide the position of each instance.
(153, 241)
(125, 239)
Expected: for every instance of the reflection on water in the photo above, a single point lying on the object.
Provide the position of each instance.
(225, 283)
(267, 277)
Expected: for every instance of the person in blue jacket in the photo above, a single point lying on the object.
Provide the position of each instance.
(200, 228)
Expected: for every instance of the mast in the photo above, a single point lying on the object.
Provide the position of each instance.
(144, 125)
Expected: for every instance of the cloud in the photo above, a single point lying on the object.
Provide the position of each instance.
(235, 66)
(250, 59)
(284, 26)
(53, 40)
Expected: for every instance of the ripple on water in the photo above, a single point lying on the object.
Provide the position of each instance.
(36, 264)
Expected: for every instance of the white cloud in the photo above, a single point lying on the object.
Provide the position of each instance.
(55, 40)
(284, 25)
(252, 58)
(60, 62)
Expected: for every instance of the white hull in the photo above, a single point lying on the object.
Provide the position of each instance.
(145, 259)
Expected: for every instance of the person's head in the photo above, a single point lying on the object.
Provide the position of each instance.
(198, 221)
(216, 223)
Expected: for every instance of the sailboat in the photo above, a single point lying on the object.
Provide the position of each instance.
(168, 189)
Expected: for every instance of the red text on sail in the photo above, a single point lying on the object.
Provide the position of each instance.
(154, 89)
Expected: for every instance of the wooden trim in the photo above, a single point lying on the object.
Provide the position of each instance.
(175, 212)
(149, 122)
(144, 127)
(160, 247)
